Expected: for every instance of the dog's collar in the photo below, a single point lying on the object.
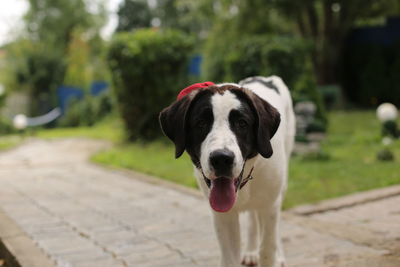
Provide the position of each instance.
(242, 182)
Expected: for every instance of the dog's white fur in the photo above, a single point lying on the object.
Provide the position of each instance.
(221, 136)
(260, 200)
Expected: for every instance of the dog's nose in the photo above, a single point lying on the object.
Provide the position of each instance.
(222, 160)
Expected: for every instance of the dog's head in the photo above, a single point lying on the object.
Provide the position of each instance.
(221, 127)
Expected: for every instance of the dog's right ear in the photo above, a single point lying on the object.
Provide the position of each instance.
(173, 121)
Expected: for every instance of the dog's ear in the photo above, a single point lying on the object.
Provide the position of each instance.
(173, 121)
(267, 124)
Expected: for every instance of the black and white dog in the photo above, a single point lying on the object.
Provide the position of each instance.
(235, 133)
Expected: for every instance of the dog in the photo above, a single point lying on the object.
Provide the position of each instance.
(239, 138)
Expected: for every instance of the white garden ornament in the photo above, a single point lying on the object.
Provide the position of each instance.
(20, 121)
(386, 141)
(387, 112)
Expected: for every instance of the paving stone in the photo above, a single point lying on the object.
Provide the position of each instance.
(161, 254)
(83, 215)
(110, 262)
(83, 255)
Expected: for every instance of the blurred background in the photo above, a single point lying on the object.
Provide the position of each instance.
(105, 68)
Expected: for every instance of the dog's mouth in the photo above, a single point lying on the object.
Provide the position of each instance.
(208, 181)
(222, 193)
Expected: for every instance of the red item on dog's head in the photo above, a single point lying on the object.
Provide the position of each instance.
(193, 87)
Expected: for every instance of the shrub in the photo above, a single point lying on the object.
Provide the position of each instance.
(257, 55)
(385, 155)
(317, 126)
(87, 111)
(331, 94)
(287, 57)
(389, 128)
(2, 98)
(316, 156)
(41, 71)
(148, 69)
(85, 62)
(78, 69)
(6, 127)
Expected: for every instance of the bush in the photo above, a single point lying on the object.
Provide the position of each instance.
(41, 72)
(256, 55)
(316, 156)
(85, 62)
(6, 127)
(331, 94)
(317, 126)
(87, 111)
(389, 128)
(2, 98)
(148, 69)
(287, 57)
(385, 155)
(78, 69)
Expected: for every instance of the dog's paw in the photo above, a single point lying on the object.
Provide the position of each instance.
(281, 262)
(250, 259)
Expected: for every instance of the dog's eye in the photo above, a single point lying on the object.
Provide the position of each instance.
(201, 124)
(242, 124)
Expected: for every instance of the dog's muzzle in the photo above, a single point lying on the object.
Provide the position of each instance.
(221, 161)
(223, 190)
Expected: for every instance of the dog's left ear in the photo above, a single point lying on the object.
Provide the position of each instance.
(173, 121)
(267, 124)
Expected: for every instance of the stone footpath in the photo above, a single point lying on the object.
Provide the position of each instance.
(56, 209)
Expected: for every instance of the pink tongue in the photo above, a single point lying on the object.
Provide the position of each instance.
(222, 195)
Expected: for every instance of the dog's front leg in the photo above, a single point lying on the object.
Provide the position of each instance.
(250, 252)
(269, 226)
(228, 233)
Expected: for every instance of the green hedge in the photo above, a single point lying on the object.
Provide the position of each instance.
(43, 72)
(6, 126)
(370, 74)
(2, 100)
(87, 111)
(148, 69)
(265, 55)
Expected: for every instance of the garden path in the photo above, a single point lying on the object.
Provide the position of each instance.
(69, 212)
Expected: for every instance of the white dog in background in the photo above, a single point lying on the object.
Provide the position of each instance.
(239, 138)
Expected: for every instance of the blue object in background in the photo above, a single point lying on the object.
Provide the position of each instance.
(66, 93)
(380, 35)
(195, 65)
(98, 87)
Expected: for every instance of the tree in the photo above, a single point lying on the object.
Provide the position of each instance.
(327, 23)
(53, 22)
(50, 26)
(194, 17)
(78, 72)
(133, 14)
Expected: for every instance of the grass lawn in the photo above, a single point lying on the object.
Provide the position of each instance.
(352, 144)
(9, 141)
(109, 129)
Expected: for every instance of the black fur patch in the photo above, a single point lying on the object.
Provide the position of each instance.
(269, 84)
(199, 123)
(242, 122)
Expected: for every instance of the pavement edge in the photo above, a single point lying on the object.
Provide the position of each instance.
(17, 248)
(351, 200)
